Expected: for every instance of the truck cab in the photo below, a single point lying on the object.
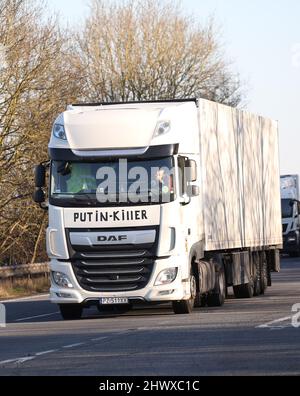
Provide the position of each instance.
(290, 210)
(124, 218)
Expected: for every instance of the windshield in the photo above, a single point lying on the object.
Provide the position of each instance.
(286, 208)
(108, 183)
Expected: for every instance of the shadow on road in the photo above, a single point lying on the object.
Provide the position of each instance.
(41, 311)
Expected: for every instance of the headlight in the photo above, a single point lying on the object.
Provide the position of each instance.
(61, 280)
(59, 132)
(292, 239)
(162, 128)
(166, 276)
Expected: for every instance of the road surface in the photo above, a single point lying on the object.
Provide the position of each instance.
(245, 337)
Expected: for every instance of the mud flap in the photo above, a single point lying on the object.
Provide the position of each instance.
(273, 260)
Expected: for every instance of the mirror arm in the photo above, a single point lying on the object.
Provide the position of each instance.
(185, 203)
(44, 206)
(46, 164)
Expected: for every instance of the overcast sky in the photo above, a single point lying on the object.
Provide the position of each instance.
(262, 37)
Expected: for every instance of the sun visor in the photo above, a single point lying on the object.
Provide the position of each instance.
(110, 128)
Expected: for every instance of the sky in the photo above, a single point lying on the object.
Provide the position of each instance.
(262, 39)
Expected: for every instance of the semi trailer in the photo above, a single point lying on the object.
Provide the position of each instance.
(290, 212)
(160, 202)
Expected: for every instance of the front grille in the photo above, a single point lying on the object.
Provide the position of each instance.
(112, 268)
(113, 275)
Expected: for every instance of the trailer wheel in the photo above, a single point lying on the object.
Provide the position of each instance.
(257, 276)
(71, 311)
(264, 275)
(257, 286)
(186, 306)
(217, 297)
(244, 291)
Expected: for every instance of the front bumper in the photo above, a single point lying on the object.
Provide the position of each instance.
(177, 290)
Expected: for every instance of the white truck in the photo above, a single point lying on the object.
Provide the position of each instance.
(290, 208)
(164, 201)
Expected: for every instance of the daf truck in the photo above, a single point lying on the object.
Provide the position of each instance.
(290, 208)
(160, 202)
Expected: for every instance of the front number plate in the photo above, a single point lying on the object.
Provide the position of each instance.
(113, 300)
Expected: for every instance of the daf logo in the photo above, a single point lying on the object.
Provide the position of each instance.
(112, 238)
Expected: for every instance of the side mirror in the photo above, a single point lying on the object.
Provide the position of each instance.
(39, 196)
(40, 176)
(191, 166)
(193, 191)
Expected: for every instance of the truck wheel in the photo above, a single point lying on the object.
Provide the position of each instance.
(244, 291)
(200, 300)
(257, 276)
(263, 278)
(257, 286)
(217, 297)
(71, 311)
(186, 306)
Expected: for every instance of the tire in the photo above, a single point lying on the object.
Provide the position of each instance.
(71, 311)
(263, 275)
(244, 291)
(186, 306)
(200, 300)
(257, 276)
(217, 297)
(256, 286)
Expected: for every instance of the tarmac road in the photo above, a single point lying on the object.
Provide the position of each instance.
(245, 337)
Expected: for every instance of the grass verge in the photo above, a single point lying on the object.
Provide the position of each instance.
(24, 287)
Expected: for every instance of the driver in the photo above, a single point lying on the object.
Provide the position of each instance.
(162, 181)
(81, 179)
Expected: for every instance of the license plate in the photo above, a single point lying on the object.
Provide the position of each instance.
(113, 300)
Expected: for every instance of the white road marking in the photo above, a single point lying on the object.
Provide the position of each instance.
(36, 297)
(7, 361)
(46, 352)
(25, 359)
(269, 324)
(124, 332)
(99, 339)
(18, 360)
(37, 316)
(74, 345)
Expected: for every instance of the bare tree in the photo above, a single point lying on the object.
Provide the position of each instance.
(36, 82)
(149, 49)
(130, 50)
